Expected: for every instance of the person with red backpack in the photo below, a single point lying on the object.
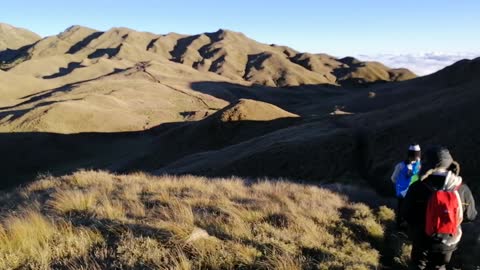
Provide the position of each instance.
(435, 208)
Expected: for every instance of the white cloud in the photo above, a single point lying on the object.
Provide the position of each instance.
(422, 63)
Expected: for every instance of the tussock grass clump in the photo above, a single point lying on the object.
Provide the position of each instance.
(97, 220)
(31, 241)
(73, 200)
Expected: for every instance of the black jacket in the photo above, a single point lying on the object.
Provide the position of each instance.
(415, 205)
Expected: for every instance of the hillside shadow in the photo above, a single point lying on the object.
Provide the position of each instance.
(65, 71)
(183, 139)
(296, 99)
(84, 43)
(50, 92)
(109, 52)
(31, 153)
(232, 92)
(11, 57)
(181, 47)
(27, 154)
(367, 144)
(255, 61)
(15, 114)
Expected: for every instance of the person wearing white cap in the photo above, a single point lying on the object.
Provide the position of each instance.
(405, 174)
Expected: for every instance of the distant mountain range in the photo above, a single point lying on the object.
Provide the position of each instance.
(83, 58)
(227, 53)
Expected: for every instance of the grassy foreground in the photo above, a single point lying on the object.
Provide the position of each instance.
(97, 220)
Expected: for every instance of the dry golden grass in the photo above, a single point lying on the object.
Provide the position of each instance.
(97, 220)
(30, 241)
(13, 37)
(144, 79)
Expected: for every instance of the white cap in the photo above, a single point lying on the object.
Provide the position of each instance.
(414, 147)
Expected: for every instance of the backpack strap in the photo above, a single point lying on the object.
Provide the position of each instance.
(460, 204)
(452, 182)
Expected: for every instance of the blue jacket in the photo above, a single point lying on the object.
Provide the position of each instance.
(404, 175)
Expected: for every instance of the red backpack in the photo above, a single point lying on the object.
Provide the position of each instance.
(443, 212)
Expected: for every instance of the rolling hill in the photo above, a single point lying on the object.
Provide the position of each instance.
(13, 37)
(219, 103)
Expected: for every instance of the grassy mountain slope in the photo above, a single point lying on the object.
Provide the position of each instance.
(45, 83)
(13, 37)
(97, 220)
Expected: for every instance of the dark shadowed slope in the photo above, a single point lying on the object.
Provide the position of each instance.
(317, 146)
(366, 143)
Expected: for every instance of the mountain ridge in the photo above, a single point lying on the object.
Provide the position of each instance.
(225, 52)
(12, 37)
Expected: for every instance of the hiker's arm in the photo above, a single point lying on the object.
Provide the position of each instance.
(470, 212)
(396, 171)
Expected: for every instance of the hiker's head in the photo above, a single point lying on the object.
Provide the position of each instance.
(414, 152)
(437, 157)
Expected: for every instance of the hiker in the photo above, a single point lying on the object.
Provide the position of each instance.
(434, 209)
(405, 174)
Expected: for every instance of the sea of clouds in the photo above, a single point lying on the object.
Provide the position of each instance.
(421, 63)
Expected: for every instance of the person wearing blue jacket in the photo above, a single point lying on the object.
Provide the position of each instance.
(405, 174)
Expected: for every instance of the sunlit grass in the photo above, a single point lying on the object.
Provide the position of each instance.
(97, 220)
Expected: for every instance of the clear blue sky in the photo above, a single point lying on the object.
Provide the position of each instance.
(344, 27)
